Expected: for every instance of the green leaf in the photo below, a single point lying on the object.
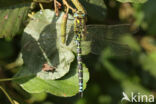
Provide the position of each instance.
(38, 97)
(133, 1)
(65, 87)
(42, 45)
(149, 63)
(12, 20)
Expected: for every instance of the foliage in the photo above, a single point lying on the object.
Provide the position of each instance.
(145, 16)
(39, 42)
(12, 18)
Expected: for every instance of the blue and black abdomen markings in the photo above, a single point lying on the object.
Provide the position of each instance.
(79, 59)
(79, 30)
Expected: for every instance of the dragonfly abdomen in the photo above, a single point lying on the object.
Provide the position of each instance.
(80, 67)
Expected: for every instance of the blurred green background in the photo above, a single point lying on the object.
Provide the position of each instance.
(109, 76)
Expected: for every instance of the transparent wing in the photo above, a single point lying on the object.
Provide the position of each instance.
(108, 36)
(109, 32)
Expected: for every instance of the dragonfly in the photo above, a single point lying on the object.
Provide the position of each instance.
(100, 36)
(79, 30)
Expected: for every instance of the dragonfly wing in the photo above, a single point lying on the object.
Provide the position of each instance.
(103, 36)
(102, 32)
(117, 49)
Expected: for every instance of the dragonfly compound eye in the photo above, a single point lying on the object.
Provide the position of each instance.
(79, 14)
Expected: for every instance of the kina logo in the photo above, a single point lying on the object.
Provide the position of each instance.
(137, 97)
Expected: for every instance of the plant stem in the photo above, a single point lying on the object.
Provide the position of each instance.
(68, 6)
(10, 99)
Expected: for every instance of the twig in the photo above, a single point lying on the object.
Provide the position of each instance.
(56, 9)
(58, 4)
(67, 11)
(10, 99)
(68, 6)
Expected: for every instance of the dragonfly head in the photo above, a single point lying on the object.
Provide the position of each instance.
(79, 14)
